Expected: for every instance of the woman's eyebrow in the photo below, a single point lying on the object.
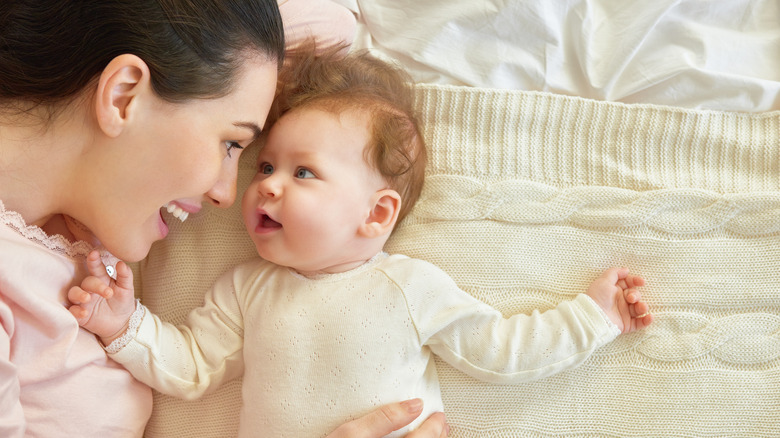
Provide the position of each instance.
(251, 126)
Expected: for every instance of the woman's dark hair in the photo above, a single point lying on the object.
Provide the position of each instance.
(51, 49)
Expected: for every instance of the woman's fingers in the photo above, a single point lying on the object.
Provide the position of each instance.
(434, 427)
(382, 421)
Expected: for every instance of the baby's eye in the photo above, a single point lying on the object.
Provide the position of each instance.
(304, 173)
(232, 145)
(266, 169)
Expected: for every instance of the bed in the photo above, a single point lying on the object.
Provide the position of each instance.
(567, 137)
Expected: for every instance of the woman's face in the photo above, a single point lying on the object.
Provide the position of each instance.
(175, 154)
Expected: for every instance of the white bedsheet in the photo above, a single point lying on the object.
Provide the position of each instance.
(707, 54)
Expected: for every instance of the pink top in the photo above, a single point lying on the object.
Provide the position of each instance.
(55, 378)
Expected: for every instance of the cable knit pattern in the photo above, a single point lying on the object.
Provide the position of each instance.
(529, 196)
(539, 192)
(673, 211)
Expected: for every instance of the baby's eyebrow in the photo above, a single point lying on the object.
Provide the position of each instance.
(251, 126)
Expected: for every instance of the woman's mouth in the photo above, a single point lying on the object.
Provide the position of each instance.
(176, 211)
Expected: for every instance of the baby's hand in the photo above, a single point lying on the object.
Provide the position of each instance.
(102, 305)
(615, 291)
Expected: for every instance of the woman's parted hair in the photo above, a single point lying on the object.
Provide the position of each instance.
(50, 50)
(333, 82)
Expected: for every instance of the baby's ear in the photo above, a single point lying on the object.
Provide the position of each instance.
(384, 214)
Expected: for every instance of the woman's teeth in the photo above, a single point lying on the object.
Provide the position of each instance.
(177, 212)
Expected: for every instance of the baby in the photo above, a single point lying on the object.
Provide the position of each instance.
(325, 325)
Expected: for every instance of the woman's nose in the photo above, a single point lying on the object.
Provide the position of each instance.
(223, 192)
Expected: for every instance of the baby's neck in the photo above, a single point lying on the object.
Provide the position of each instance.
(350, 256)
(338, 268)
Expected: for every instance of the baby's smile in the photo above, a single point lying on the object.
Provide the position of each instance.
(267, 222)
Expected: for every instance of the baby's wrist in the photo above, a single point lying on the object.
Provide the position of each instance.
(607, 312)
(107, 340)
(117, 341)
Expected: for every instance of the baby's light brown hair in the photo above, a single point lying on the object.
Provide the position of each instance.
(334, 82)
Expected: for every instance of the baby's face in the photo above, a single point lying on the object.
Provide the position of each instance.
(312, 191)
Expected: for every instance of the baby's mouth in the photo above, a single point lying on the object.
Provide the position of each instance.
(267, 222)
(176, 211)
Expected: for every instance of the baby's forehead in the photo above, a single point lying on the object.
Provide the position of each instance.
(338, 112)
(348, 120)
(314, 126)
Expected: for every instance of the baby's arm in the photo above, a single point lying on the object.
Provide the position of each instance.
(615, 291)
(478, 340)
(101, 304)
(183, 361)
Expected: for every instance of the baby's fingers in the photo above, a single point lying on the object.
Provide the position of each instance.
(77, 295)
(640, 316)
(615, 275)
(639, 309)
(96, 267)
(634, 281)
(124, 277)
(632, 296)
(644, 321)
(95, 285)
(79, 313)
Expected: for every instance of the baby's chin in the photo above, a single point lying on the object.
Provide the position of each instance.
(266, 253)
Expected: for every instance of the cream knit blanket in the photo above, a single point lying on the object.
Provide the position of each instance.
(529, 196)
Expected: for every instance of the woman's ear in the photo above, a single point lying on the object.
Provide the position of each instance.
(124, 79)
(384, 214)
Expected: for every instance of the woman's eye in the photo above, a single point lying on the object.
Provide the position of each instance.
(266, 169)
(304, 173)
(232, 145)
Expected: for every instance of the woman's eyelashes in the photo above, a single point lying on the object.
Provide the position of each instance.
(230, 145)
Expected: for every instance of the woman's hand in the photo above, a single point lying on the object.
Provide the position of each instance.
(392, 417)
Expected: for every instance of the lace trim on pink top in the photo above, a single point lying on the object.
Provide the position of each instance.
(56, 243)
(34, 233)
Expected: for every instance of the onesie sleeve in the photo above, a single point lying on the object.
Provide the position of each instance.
(476, 339)
(12, 422)
(189, 360)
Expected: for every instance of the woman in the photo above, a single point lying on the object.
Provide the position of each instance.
(110, 110)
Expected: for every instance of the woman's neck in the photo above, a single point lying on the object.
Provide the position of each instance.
(35, 162)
